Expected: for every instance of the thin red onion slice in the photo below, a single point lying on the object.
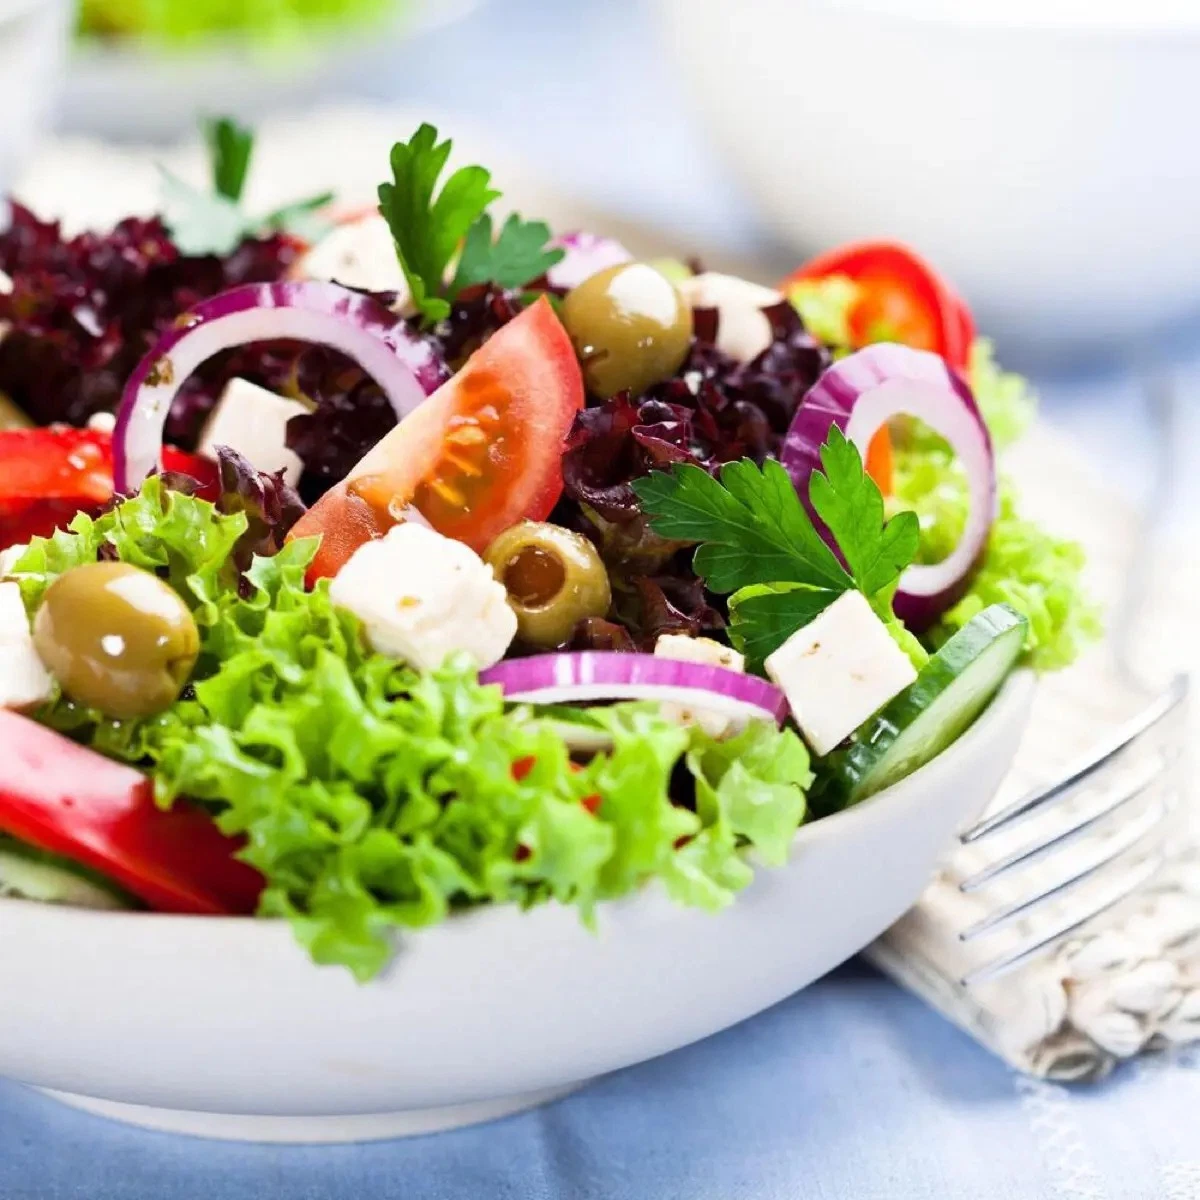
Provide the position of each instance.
(585, 254)
(861, 393)
(405, 366)
(596, 675)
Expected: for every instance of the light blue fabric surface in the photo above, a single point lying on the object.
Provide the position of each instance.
(852, 1090)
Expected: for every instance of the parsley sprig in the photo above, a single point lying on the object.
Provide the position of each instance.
(214, 222)
(756, 539)
(430, 225)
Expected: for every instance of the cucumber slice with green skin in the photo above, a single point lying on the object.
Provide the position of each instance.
(27, 873)
(951, 690)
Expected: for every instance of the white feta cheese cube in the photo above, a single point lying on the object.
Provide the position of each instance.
(839, 670)
(8, 558)
(102, 422)
(709, 653)
(422, 596)
(699, 650)
(6, 288)
(359, 254)
(743, 331)
(253, 421)
(24, 681)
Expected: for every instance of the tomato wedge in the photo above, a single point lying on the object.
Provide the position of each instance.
(482, 453)
(902, 298)
(73, 802)
(48, 475)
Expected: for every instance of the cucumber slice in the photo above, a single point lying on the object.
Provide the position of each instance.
(951, 690)
(27, 873)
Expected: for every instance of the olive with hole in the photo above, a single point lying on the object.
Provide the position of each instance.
(630, 326)
(117, 639)
(554, 579)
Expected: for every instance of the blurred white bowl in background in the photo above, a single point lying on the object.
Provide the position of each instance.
(1041, 152)
(134, 91)
(33, 37)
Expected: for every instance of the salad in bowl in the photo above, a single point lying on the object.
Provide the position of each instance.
(361, 568)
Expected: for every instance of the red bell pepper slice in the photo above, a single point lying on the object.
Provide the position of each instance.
(902, 298)
(73, 802)
(48, 475)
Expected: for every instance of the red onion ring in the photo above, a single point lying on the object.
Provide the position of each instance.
(594, 675)
(861, 393)
(585, 255)
(405, 366)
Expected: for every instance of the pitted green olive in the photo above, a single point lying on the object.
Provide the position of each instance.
(630, 326)
(117, 639)
(554, 579)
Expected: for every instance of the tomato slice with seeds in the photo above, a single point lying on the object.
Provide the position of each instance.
(482, 453)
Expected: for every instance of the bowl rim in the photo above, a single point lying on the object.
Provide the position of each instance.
(1013, 696)
(1029, 19)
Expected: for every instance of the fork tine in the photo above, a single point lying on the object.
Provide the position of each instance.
(1141, 874)
(1131, 835)
(1150, 773)
(1163, 705)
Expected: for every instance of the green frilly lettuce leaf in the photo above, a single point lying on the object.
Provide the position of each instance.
(373, 798)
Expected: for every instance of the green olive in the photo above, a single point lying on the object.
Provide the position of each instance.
(554, 579)
(630, 326)
(117, 639)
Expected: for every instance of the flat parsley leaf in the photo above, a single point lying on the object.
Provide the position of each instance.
(847, 499)
(763, 616)
(751, 526)
(756, 540)
(213, 222)
(230, 146)
(201, 222)
(516, 257)
(428, 230)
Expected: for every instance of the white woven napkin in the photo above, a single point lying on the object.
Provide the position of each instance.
(1132, 980)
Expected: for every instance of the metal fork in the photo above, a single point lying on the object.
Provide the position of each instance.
(1097, 832)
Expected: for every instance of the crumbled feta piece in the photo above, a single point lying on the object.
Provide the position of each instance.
(709, 653)
(359, 254)
(699, 650)
(743, 330)
(422, 596)
(839, 670)
(6, 289)
(102, 422)
(8, 558)
(24, 681)
(253, 421)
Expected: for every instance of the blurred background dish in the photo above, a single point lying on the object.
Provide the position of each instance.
(1039, 151)
(142, 71)
(32, 46)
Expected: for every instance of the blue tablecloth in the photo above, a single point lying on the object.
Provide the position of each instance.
(852, 1090)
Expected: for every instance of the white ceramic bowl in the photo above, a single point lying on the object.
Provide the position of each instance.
(223, 1027)
(131, 92)
(33, 40)
(1039, 151)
